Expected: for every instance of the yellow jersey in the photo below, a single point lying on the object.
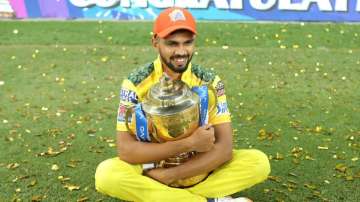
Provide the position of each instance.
(135, 87)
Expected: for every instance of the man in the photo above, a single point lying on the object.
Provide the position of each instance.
(230, 170)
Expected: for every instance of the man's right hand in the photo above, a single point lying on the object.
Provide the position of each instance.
(202, 139)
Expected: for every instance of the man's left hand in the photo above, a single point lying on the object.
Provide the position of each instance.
(161, 175)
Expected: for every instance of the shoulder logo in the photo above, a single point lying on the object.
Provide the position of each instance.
(177, 15)
(220, 89)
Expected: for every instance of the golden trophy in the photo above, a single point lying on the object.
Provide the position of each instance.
(172, 113)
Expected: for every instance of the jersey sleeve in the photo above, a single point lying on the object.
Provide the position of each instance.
(128, 99)
(218, 108)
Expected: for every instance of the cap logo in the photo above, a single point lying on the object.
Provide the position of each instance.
(177, 15)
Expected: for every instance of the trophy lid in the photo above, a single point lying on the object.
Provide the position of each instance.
(169, 97)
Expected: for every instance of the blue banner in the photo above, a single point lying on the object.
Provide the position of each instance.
(142, 131)
(246, 10)
(202, 92)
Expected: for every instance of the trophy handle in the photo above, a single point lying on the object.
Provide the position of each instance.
(128, 114)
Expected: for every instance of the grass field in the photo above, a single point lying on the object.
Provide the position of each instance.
(293, 90)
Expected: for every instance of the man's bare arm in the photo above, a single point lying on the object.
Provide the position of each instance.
(203, 162)
(136, 152)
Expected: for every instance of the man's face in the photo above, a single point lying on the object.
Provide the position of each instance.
(176, 50)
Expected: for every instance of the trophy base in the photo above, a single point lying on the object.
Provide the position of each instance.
(177, 160)
(189, 181)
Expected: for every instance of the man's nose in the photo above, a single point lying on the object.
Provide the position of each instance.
(181, 50)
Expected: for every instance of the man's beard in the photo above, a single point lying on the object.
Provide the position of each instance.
(179, 69)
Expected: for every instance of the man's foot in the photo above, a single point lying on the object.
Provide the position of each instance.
(230, 199)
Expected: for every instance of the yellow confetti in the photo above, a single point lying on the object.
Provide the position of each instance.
(36, 198)
(104, 59)
(318, 129)
(71, 187)
(279, 156)
(32, 183)
(309, 186)
(340, 167)
(55, 167)
(82, 199)
(307, 157)
(12, 165)
(274, 178)
(44, 108)
(262, 132)
(323, 148)
(62, 178)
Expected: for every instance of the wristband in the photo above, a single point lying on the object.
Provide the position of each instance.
(148, 166)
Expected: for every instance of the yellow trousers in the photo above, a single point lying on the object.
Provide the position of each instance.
(125, 181)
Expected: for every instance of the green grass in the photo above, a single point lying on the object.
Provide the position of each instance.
(296, 83)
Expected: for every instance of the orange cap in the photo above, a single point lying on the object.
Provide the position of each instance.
(172, 19)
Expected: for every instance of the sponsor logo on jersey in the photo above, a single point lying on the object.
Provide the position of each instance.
(121, 114)
(128, 96)
(220, 89)
(222, 108)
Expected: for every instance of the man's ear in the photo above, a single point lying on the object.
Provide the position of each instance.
(155, 41)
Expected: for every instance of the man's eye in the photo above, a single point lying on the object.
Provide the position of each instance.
(189, 42)
(171, 44)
